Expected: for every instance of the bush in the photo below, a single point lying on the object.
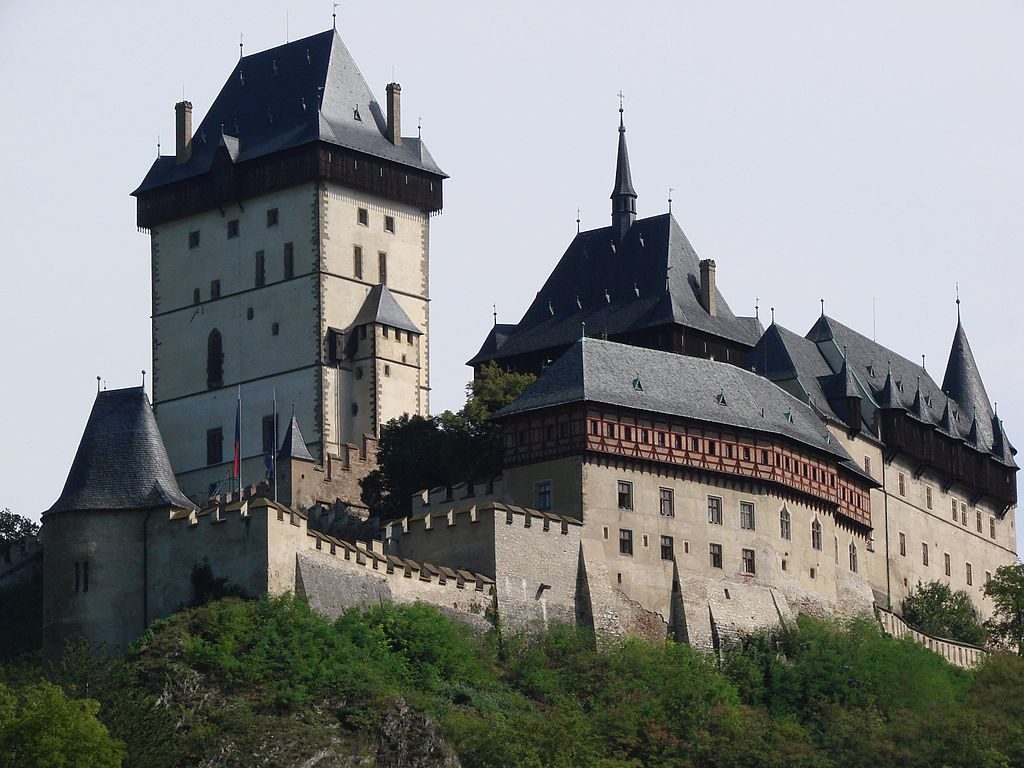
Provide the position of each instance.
(935, 609)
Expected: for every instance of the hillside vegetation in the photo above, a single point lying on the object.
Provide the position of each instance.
(270, 682)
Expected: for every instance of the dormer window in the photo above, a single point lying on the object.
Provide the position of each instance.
(356, 115)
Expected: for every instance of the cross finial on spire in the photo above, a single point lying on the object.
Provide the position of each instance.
(922, 363)
(494, 307)
(334, 16)
(773, 315)
(822, 307)
(757, 315)
(577, 221)
(419, 127)
(670, 191)
(241, 41)
(957, 285)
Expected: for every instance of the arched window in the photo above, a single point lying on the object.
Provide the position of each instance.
(214, 360)
(784, 524)
(816, 535)
(853, 557)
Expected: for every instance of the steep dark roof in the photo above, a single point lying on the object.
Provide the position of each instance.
(623, 177)
(304, 91)
(381, 307)
(617, 287)
(962, 381)
(604, 372)
(294, 445)
(121, 462)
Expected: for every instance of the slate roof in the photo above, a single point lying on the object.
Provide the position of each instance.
(304, 91)
(603, 372)
(615, 287)
(834, 360)
(121, 462)
(381, 307)
(294, 445)
(623, 177)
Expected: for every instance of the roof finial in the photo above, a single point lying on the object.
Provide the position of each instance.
(957, 284)
(922, 364)
(622, 127)
(670, 191)
(97, 385)
(583, 329)
(773, 315)
(822, 307)
(495, 308)
(158, 144)
(334, 16)
(143, 378)
(844, 351)
(241, 41)
(757, 309)
(419, 127)
(577, 221)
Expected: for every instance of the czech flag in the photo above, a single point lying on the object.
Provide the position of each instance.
(238, 439)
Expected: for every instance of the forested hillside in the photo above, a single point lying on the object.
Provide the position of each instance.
(271, 683)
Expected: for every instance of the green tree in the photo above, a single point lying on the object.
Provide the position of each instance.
(935, 609)
(1006, 590)
(41, 728)
(414, 453)
(14, 527)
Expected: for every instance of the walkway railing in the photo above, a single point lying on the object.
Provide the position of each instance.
(955, 652)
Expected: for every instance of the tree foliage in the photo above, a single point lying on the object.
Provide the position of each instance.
(415, 453)
(14, 527)
(40, 727)
(1006, 590)
(935, 609)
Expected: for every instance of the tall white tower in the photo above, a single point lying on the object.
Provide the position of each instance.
(290, 255)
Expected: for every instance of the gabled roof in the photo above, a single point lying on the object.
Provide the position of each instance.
(304, 91)
(121, 462)
(607, 373)
(294, 445)
(381, 307)
(649, 279)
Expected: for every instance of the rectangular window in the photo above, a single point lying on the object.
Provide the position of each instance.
(816, 535)
(667, 550)
(195, 296)
(389, 224)
(625, 541)
(193, 239)
(215, 289)
(991, 527)
(747, 515)
(543, 490)
(609, 430)
(625, 495)
(903, 544)
(667, 502)
(78, 577)
(357, 262)
(748, 562)
(261, 269)
(867, 464)
(85, 576)
(272, 217)
(383, 267)
(924, 553)
(977, 515)
(695, 444)
(214, 446)
(385, 331)
(714, 510)
(232, 229)
(988, 576)
(947, 563)
(970, 575)
(712, 447)
(903, 484)
(716, 555)
(853, 557)
(363, 217)
(746, 454)
(928, 496)
(785, 527)
(289, 261)
(952, 503)
(963, 514)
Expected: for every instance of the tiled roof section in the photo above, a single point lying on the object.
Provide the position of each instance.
(121, 462)
(604, 372)
(895, 382)
(382, 308)
(500, 333)
(616, 287)
(294, 445)
(304, 91)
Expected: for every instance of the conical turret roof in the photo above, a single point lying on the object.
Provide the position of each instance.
(623, 178)
(294, 445)
(962, 381)
(121, 462)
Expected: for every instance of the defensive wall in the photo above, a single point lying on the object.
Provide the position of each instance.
(955, 652)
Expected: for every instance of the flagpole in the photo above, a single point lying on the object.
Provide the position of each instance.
(238, 443)
(274, 449)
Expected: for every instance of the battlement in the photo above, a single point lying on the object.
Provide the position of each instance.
(221, 511)
(446, 517)
(478, 490)
(374, 558)
(20, 560)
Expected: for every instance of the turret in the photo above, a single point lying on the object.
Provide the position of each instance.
(623, 195)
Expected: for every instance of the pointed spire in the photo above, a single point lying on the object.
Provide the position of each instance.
(294, 446)
(623, 195)
(889, 395)
(962, 381)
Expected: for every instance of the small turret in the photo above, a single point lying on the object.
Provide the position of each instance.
(623, 195)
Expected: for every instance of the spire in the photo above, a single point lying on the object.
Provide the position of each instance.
(962, 381)
(294, 446)
(623, 195)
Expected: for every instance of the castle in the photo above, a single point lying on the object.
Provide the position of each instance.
(675, 471)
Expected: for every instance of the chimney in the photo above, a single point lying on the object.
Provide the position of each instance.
(708, 294)
(182, 132)
(395, 114)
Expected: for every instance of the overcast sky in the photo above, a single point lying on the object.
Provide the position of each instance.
(866, 153)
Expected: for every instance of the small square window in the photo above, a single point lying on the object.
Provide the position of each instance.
(389, 224)
(625, 495)
(716, 555)
(385, 331)
(193, 239)
(363, 217)
(232, 229)
(387, 369)
(625, 541)
(272, 217)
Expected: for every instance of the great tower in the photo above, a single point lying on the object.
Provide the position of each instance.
(290, 240)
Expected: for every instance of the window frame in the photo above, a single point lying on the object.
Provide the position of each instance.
(748, 520)
(748, 558)
(624, 493)
(666, 502)
(715, 514)
(816, 541)
(626, 541)
(667, 546)
(543, 491)
(785, 524)
(716, 553)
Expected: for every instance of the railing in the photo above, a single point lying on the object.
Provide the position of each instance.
(960, 654)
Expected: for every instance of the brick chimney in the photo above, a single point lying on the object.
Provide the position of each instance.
(708, 294)
(395, 114)
(182, 132)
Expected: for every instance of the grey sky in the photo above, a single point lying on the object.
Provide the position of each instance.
(845, 151)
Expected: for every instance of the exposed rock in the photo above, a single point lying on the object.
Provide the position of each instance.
(408, 739)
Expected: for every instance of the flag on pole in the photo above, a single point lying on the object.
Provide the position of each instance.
(235, 471)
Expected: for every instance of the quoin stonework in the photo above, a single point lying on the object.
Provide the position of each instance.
(676, 470)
